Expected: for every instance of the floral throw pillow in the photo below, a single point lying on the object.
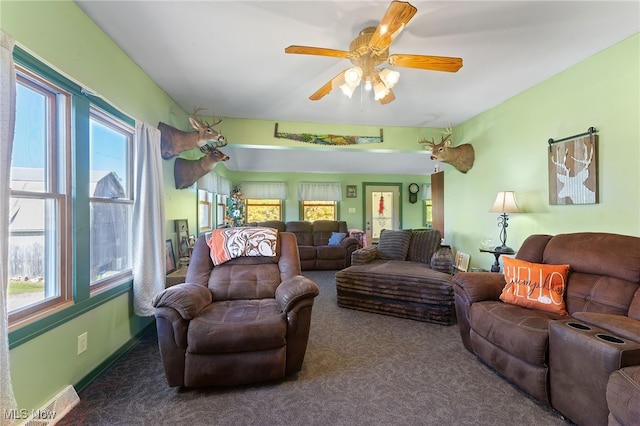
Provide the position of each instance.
(535, 285)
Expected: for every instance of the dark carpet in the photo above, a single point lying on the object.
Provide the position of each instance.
(360, 369)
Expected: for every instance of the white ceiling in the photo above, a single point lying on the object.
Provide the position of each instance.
(228, 56)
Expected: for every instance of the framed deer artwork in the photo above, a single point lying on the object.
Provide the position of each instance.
(573, 169)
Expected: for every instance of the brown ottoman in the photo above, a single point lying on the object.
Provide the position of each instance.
(623, 397)
(403, 289)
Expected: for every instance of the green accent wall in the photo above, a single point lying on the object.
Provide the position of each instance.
(510, 142)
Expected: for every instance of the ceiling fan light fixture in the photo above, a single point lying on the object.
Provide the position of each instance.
(353, 75)
(380, 90)
(367, 85)
(389, 77)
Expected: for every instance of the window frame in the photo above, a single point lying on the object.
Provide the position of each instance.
(108, 120)
(260, 202)
(312, 203)
(57, 189)
(74, 228)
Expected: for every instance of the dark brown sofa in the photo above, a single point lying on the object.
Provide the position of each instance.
(407, 275)
(313, 242)
(244, 321)
(565, 362)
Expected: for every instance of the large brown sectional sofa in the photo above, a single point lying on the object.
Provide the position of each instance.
(313, 242)
(585, 365)
(407, 275)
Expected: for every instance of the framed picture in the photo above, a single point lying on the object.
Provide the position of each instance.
(352, 191)
(462, 261)
(170, 256)
(182, 233)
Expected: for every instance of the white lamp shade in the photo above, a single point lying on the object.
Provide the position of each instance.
(505, 203)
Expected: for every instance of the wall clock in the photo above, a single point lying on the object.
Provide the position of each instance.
(413, 192)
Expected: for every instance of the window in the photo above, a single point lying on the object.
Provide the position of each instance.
(261, 210)
(317, 210)
(111, 201)
(71, 198)
(428, 213)
(205, 210)
(221, 208)
(39, 251)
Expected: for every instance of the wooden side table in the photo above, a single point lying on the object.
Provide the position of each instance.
(497, 253)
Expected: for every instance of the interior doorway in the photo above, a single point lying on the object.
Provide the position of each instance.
(383, 208)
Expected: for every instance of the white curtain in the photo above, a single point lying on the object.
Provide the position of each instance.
(264, 190)
(149, 261)
(224, 186)
(319, 191)
(7, 124)
(208, 182)
(426, 191)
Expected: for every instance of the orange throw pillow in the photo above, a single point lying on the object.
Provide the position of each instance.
(535, 285)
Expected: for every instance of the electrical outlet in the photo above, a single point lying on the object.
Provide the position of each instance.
(82, 342)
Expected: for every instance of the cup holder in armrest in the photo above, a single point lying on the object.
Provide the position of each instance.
(608, 338)
(578, 326)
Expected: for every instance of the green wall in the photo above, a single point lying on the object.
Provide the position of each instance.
(412, 214)
(509, 140)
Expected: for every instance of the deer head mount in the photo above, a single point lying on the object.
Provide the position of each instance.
(461, 157)
(187, 172)
(173, 141)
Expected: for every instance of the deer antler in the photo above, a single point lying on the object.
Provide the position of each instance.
(562, 165)
(585, 162)
(446, 134)
(201, 121)
(195, 116)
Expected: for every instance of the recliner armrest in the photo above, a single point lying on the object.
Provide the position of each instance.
(478, 286)
(621, 326)
(364, 255)
(442, 260)
(188, 299)
(294, 289)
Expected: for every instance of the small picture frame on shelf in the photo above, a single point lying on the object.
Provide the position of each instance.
(352, 191)
(170, 256)
(182, 237)
(462, 262)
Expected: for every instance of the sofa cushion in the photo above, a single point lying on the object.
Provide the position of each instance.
(331, 252)
(394, 245)
(535, 285)
(423, 244)
(232, 326)
(336, 238)
(519, 331)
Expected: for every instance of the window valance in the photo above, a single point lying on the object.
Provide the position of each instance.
(208, 182)
(320, 191)
(224, 186)
(264, 190)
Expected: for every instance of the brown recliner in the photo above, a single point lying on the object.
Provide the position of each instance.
(244, 321)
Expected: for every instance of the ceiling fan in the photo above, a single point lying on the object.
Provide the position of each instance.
(370, 49)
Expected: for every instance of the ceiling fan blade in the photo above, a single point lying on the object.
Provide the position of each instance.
(390, 97)
(319, 51)
(325, 89)
(435, 63)
(394, 20)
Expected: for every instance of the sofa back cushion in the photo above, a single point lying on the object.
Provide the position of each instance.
(605, 270)
(303, 231)
(423, 244)
(532, 249)
(322, 230)
(394, 244)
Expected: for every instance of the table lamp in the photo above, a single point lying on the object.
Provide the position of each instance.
(505, 203)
